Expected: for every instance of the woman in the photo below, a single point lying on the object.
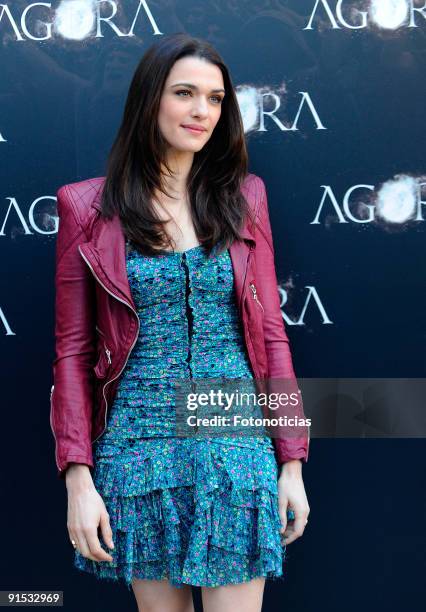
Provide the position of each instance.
(157, 281)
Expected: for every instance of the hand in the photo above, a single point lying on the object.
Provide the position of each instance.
(87, 511)
(291, 493)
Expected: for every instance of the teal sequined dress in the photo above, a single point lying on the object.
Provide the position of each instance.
(200, 511)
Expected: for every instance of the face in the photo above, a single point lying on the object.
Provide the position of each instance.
(192, 96)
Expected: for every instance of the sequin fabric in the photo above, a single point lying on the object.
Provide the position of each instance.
(196, 510)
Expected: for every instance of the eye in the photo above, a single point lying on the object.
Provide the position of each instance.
(187, 91)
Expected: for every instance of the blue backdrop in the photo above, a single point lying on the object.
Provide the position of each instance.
(332, 96)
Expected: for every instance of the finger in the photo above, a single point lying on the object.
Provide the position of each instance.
(106, 529)
(295, 530)
(82, 545)
(73, 538)
(95, 547)
(287, 538)
(283, 516)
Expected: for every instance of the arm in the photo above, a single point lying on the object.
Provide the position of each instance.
(280, 364)
(72, 397)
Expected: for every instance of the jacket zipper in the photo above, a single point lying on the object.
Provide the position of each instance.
(108, 352)
(253, 288)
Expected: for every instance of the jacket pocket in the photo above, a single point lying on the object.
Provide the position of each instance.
(104, 361)
(254, 310)
(255, 296)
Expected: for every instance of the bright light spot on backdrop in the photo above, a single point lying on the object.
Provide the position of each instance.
(389, 14)
(248, 101)
(75, 19)
(397, 199)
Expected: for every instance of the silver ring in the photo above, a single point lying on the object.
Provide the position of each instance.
(73, 543)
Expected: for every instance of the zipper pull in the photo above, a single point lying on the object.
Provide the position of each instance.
(108, 352)
(253, 288)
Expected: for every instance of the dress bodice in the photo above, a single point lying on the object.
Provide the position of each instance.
(190, 328)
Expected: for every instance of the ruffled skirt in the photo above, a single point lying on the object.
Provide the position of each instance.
(198, 511)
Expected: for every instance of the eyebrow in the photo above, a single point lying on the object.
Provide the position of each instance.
(191, 86)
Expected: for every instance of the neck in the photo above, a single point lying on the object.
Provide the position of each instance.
(180, 163)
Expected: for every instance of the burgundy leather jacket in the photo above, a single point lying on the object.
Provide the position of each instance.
(96, 324)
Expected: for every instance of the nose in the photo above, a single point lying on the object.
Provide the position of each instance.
(200, 107)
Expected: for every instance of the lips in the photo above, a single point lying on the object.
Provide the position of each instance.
(194, 128)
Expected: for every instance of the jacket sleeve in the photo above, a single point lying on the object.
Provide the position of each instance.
(277, 344)
(71, 401)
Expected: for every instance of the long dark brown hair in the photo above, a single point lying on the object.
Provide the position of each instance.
(133, 173)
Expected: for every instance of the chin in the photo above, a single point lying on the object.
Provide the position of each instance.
(186, 149)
